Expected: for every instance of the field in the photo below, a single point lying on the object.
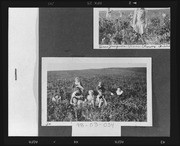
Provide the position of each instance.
(132, 106)
(118, 30)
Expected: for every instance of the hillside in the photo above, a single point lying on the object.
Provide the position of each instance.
(88, 73)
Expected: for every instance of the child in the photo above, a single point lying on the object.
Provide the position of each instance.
(90, 98)
(76, 98)
(100, 97)
(119, 92)
(56, 98)
(100, 88)
(77, 101)
(78, 85)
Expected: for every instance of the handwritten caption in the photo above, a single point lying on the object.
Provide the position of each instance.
(133, 46)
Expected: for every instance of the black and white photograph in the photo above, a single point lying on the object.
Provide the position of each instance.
(61, 85)
(96, 90)
(90, 72)
(123, 28)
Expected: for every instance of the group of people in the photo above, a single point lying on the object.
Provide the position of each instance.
(77, 96)
(78, 99)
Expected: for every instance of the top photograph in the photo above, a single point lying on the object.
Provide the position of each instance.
(132, 28)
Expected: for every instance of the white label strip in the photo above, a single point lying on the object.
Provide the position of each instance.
(22, 72)
(96, 129)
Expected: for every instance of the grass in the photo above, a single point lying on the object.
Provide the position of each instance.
(131, 106)
(119, 31)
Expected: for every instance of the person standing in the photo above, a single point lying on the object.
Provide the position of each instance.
(140, 23)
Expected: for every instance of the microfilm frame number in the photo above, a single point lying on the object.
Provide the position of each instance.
(119, 142)
(98, 3)
(96, 125)
(89, 3)
(50, 3)
(162, 142)
(76, 142)
(91, 125)
(80, 125)
(48, 124)
(132, 3)
(33, 141)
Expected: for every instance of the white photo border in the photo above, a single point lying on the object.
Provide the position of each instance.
(96, 44)
(54, 63)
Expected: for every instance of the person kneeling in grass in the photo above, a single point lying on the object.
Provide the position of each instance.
(76, 98)
(100, 97)
(77, 95)
(117, 92)
(56, 98)
(77, 101)
(90, 98)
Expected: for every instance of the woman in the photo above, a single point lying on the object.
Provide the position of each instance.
(140, 22)
(108, 14)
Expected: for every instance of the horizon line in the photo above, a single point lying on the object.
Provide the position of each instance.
(98, 68)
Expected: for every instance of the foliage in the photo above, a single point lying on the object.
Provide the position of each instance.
(131, 106)
(120, 31)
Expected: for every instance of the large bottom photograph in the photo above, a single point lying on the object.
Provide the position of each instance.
(96, 90)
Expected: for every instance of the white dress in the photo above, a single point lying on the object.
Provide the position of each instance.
(119, 92)
(139, 20)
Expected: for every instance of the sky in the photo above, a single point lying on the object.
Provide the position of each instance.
(80, 63)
